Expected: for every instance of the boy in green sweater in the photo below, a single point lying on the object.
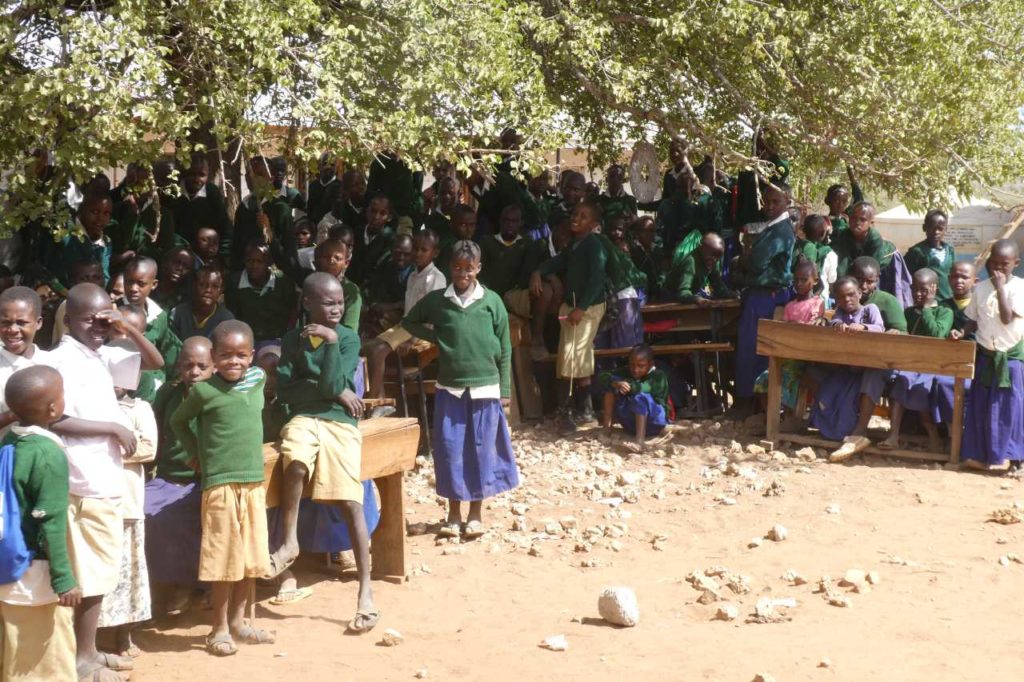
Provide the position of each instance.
(933, 253)
(321, 444)
(861, 239)
(865, 269)
(636, 395)
(35, 623)
(582, 269)
(260, 297)
(373, 244)
(229, 451)
(503, 254)
(698, 277)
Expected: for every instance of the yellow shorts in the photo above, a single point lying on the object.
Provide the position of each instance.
(576, 343)
(332, 453)
(395, 336)
(234, 544)
(37, 643)
(517, 301)
(95, 539)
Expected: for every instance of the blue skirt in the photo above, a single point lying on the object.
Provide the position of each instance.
(627, 330)
(322, 528)
(994, 417)
(913, 390)
(942, 399)
(834, 411)
(627, 408)
(173, 531)
(757, 304)
(473, 457)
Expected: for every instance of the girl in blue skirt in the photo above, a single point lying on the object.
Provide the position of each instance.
(636, 395)
(473, 457)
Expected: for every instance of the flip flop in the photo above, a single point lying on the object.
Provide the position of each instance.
(99, 673)
(449, 530)
(247, 634)
(474, 529)
(116, 663)
(885, 445)
(285, 597)
(364, 621)
(277, 566)
(221, 645)
(850, 447)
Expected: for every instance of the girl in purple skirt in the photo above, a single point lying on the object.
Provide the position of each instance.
(994, 419)
(472, 446)
(913, 390)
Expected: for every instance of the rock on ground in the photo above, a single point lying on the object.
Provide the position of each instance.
(618, 606)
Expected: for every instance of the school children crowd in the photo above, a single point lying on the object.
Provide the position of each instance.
(132, 465)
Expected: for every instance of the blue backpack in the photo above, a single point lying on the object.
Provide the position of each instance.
(14, 555)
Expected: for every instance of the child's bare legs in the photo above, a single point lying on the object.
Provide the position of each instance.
(475, 511)
(546, 304)
(641, 431)
(454, 512)
(88, 657)
(377, 352)
(291, 494)
(857, 440)
(366, 612)
(865, 409)
(607, 410)
(895, 421)
(934, 441)
(124, 643)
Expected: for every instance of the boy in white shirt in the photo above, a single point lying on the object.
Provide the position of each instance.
(21, 316)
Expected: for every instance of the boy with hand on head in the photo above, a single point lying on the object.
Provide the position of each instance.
(932, 252)
(636, 395)
(21, 316)
(321, 442)
(384, 292)
(97, 435)
(425, 279)
(866, 271)
(698, 276)
(35, 619)
(227, 445)
(582, 268)
(374, 243)
(260, 297)
(201, 315)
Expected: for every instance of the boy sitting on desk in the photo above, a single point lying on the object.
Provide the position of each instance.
(697, 278)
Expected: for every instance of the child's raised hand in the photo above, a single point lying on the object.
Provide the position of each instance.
(328, 335)
(998, 279)
(72, 597)
(351, 402)
(111, 318)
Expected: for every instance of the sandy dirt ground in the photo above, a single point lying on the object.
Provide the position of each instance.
(948, 603)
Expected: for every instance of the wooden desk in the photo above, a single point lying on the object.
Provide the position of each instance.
(786, 341)
(389, 450)
(690, 317)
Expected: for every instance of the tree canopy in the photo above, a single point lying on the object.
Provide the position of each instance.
(918, 96)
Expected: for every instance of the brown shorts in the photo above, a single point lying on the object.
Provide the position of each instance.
(95, 531)
(234, 544)
(332, 453)
(576, 343)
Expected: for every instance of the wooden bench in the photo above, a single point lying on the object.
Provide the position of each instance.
(714, 317)
(786, 341)
(389, 450)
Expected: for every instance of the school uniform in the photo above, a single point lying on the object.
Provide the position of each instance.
(682, 220)
(230, 454)
(517, 299)
(184, 323)
(369, 251)
(622, 203)
(994, 413)
(941, 260)
(11, 363)
(353, 304)
(95, 528)
(691, 280)
(135, 228)
(392, 177)
(77, 248)
(159, 333)
(473, 457)
(823, 257)
(419, 284)
(129, 602)
(625, 283)
(384, 289)
(205, 208)
(267, 308)
(322, 196)
(769, 277)
(582, 269)
(848, 249)
(247, 228)
(942, 397)
(441, 224)
(893, 315)
(37, 638)
(914, 390)
(649, 262)
(647, 396)
(501, 262)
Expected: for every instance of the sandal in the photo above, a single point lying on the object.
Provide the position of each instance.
(850, 447)
(221, 645)
(285, 597)
(100, 673)
(474, 529)
(449, 530)
(277, 566)
(247, 634)
(116, 663)
(364, 621)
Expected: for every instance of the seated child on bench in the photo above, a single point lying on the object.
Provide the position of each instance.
(636, 395)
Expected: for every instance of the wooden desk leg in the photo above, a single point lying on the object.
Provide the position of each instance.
(716, 324)
(957, 429)
(774, 399)
(388, 545)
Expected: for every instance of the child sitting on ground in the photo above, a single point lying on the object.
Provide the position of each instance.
(227, 444)
(260, 297)
(913, 390)
(35, 621)
(814, 248)
(993, 428)
(636, 395)
(473, 457)
(321, 443)
(203, 312)
(932, 252)
(129, 603)
(21, 317)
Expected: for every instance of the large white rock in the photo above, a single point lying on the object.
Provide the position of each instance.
(618, 606)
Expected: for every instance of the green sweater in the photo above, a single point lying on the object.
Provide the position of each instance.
(582, 266)
(691, 279)
(208, 211)
(310, 379)
(228, 441)
(41, 484)
(849, 249)
(367, 257)
(159, 333)
(650, 263)
(474, 344)
(353, 304)
(172, 460)
(811, 251)
(959, 318)
(892, 311)
(936, 321)
(655, 383)
(247, 229)
(266, 310)
(502, 264)
(920, 255)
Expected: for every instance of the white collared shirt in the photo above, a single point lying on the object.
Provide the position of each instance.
(984, 309)
(153, 311)
(11, 363)
(491, 391)
(201, 194)
(244, 283)
(421, 283)
(94, 461)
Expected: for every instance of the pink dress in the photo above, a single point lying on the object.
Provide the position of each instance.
(804, 312)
